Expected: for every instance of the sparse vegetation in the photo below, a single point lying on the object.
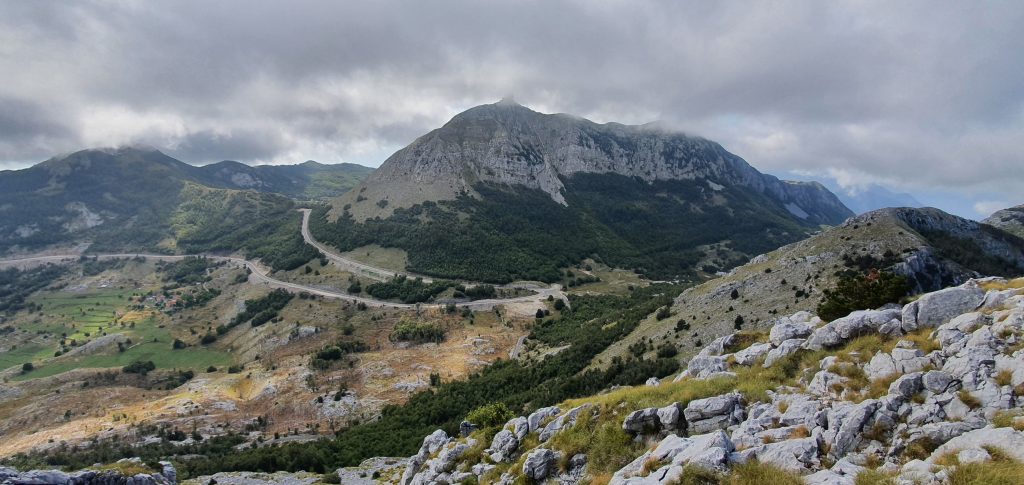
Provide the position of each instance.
(408, 331)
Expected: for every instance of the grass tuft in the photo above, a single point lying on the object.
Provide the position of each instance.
(1004, 377)
(1000, 471)
(874, 477)
(969, 399)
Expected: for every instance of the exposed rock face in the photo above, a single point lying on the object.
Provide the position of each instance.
(508, 144)
(540, 464)
(719, 412)
(937, 308)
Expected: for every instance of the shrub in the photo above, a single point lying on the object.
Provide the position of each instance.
(664, 312)
(27, 367)
(494, 414)
(139, 367)
(667, 351)
(406, 331)
(862, 293)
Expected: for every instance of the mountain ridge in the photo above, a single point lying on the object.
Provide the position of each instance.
(130, 197)
(509, 144)
(931, 248)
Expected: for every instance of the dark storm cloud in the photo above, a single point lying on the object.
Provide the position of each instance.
(912, 94)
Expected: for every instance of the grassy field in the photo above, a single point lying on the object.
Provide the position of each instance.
(195, 358)
(393, 259)
(79, 314)
(613, 281)
(86, 315)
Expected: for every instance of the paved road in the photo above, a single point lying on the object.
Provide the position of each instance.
(381, 274)
(260, 275)
(348, 264)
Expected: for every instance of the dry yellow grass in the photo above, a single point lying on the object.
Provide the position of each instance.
(1000, 471)
(1016, 283)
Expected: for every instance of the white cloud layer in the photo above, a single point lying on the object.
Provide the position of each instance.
(917, 95)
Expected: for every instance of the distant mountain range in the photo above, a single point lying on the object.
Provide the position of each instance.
(502, 192)
(131, 198)
(307, 180)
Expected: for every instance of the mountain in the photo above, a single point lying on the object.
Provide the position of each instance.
(874, 197)
(508, 144)
(931, 248)
(308, 180)
(1010, 220)
(141, 199)
(512, 193)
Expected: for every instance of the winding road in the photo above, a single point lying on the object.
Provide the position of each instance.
(261, 275)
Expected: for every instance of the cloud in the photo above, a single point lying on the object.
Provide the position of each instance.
(985, 208)
(910, 94)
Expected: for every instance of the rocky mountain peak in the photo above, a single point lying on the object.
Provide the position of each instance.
(508, 144)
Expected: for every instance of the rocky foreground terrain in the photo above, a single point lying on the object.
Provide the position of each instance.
(924, 393)
(930, 392)
(124, 472)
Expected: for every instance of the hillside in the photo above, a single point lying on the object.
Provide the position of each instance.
(141, 199)
(928, 393)
(1010, 220)
(512, 193)
(931, 248)
(307, 180)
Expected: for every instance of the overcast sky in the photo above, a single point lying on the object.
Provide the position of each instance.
(925, 97)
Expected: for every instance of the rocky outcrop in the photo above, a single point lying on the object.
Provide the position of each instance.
(939, 389)
(167, 476)
(540, 464)
(719, 412)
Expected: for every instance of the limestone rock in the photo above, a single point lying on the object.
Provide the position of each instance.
(503, 445)
(785, 348)
(853, 325)
(750, 354)
(540, 464)
(536, 419)
(786, 329)
(936, 308)
(1008, 440)
(796, 455)
(719, 412)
